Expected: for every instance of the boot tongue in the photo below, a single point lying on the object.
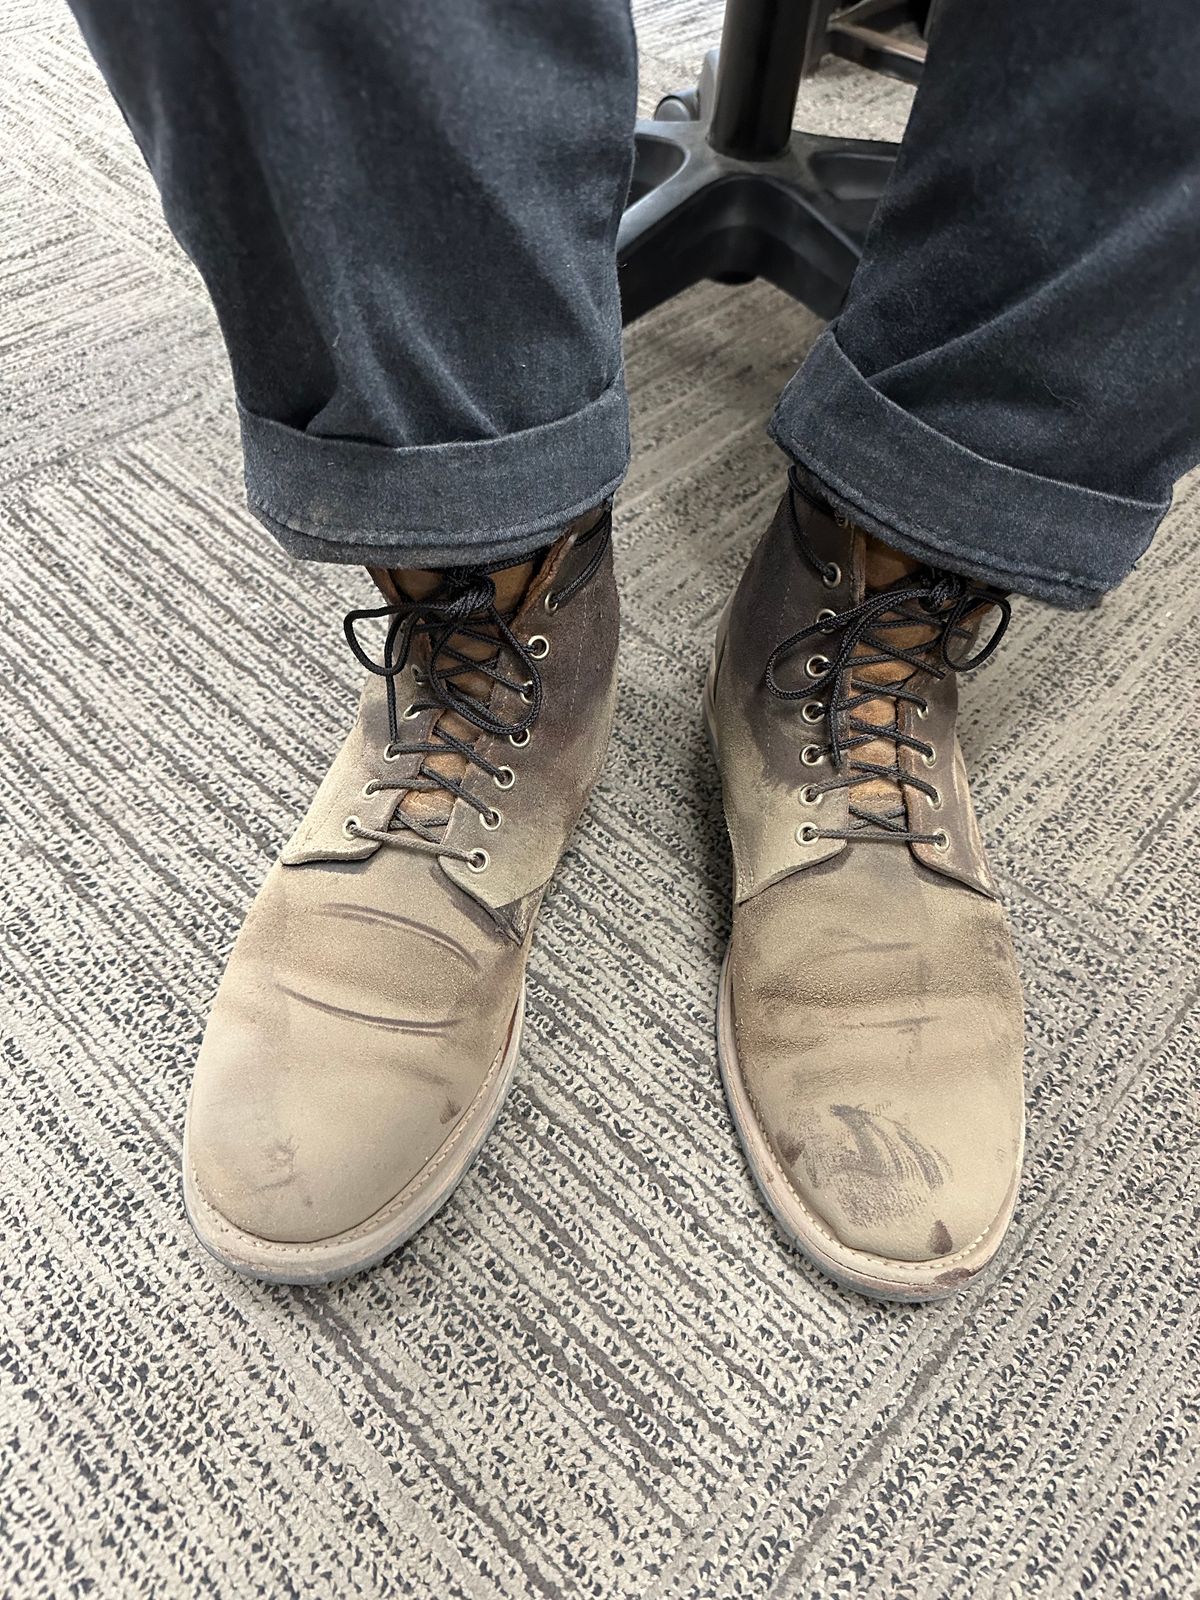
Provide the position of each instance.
(431, 808)
(882, 568)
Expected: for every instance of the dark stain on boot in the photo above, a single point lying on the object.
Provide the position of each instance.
(789, 1150)
(883, 1173)
(450, 1111)
(884, 1148)
(940, 1242)
(955, 1278)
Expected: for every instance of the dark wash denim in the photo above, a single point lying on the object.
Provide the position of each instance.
(1013, 385)
(405, 212)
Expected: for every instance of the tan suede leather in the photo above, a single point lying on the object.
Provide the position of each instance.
(871, 1023)
(366, 1027)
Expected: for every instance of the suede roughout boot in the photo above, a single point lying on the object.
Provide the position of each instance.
(870, 1025)
(366, 1029)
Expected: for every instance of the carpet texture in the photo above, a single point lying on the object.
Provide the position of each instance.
(598, 1372)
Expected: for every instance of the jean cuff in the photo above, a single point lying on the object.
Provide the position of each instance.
(433, 505)
(937, 500)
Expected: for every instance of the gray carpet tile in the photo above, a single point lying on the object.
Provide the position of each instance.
(598, 1372)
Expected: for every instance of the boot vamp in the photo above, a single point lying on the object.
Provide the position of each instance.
(878, 1026)
(363, 1008)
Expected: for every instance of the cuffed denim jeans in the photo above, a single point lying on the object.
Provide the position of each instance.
(405, 212)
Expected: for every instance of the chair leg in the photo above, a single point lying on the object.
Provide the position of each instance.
(722, 188)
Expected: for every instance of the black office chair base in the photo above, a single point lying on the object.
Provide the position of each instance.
(699, 210)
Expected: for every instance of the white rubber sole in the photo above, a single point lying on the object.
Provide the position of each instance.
(873, 1276)
(371, 1241)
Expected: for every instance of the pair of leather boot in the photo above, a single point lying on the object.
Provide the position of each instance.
(869, 1020)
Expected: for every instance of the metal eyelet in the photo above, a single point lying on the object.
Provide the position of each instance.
(809, 796)
(539, 639)
(526, 693)
(350, 827)
(941, 840)
(506, 774)
(815, 671)
(806, 833)
(392, 754)
(935, 800)
(812, 755)
(370, 788)
(411, 714)
(419, 677)
(929, 757)
(832, 575)
(812, 711)
(520, 740)
(550, 603)
(922, 710)
(826, 615)
(478, 861)
(491, 820)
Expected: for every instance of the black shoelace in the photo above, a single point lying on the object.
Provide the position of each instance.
(462, 607)
(947, 604)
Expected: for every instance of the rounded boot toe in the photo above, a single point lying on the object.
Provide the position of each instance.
(890, 1205)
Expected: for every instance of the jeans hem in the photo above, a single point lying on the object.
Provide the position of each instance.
(482, 500)
(921, 491)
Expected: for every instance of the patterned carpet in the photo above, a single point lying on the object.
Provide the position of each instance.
(598, 1372)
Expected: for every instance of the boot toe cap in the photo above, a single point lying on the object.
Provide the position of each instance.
(906, 1194)
(877, 1084)
(305, 1145)
(353, 1060)
(304, 1167)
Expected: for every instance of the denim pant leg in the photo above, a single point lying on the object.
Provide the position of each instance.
(1013, 385)
(406, 216)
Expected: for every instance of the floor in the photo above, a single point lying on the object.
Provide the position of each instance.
(598, 1372)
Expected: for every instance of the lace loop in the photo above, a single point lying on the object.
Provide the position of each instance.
(463, 607)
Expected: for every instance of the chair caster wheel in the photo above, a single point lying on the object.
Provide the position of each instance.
(683, 106)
